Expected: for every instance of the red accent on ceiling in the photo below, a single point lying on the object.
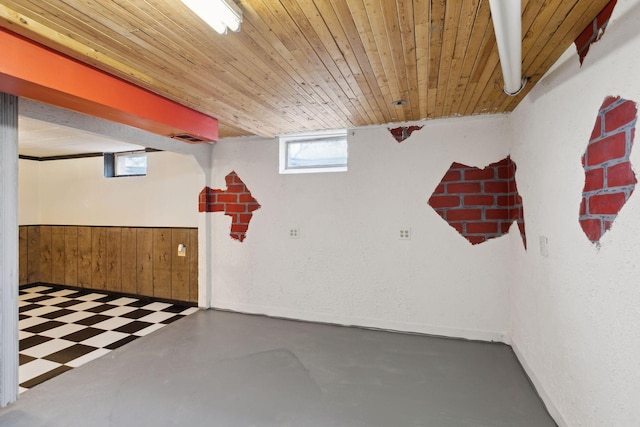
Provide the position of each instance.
(30, 70)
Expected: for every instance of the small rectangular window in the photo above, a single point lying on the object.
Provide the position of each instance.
(132, 163)
(317, 152)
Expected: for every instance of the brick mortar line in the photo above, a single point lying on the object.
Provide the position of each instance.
(608, 163)
(609, 190)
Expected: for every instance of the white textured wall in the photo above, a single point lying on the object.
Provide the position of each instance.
(28, 192)
(348, 266)
(576, 315)
(75, 192)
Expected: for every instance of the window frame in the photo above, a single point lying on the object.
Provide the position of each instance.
(285, 140)
(111, 163)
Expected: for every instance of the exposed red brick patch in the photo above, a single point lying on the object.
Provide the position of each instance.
(236, 201)
(594, 31)
(403, 132)
(480, 204)
(609, 177)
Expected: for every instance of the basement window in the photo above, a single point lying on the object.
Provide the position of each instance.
(131, 163)
(316, 152)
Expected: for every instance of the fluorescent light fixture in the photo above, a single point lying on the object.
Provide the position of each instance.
(219, 14)
(507, 24)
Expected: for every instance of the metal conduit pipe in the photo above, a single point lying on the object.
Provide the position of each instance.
(507, 25)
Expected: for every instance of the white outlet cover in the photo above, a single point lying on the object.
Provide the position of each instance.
(544, 246)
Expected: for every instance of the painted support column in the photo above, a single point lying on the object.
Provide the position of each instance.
(8, 249)
(205, 230)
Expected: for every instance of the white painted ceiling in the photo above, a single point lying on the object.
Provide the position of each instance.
(42, 139)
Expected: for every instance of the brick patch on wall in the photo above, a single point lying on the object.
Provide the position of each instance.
(609, 177)
(236, 201)
(480, 204)
(594, 31)
(403, 132)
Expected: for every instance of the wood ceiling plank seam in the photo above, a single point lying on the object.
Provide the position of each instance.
(321, 38)
(232, 131)
(573, 29)
(182, 99)
(164, 46)
(548, 34)
(492, 86)
(299, 30)
(421, 14)
(529, 13)
(407, 32)
(335, 67)
(468, 15)
(272, 46)
(296, 81)
(343, 43)
(109, 24)
(34, 30)
(530, 10)
(477, 40)
(382, 45)
(392, 25)
(535, 31)
(488, 48)
(109, 53)
(452, 15)
(278, 95)
(277, 92)
(151, 49)
(486, 81)
(534, 76)
(247, 50)
(306, 56)
(385, 50)
(436, 34)
(48, 18)
(545, 25)
(365, 33)
(345, 16)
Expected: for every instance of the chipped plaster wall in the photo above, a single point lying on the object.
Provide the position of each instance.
(575, 320)
(348, 264)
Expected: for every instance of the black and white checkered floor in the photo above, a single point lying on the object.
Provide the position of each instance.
(61, 328)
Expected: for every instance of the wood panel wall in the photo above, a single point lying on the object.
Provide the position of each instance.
(130, 260)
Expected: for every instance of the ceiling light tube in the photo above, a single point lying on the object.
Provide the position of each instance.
(507, 24)
(219, 14)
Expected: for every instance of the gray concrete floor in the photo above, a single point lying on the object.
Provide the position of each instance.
(227, 369)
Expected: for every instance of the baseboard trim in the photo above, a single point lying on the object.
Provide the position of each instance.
(553, 410)
(367, 323)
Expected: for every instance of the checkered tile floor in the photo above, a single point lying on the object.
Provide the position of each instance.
(61, 329)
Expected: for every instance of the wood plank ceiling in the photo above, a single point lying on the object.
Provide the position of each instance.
(308, 65)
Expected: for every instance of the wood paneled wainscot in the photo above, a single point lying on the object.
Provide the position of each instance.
(132, 260)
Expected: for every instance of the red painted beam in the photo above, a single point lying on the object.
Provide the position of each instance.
(30, 70)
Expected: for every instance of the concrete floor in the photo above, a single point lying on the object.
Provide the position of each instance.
(226, 369)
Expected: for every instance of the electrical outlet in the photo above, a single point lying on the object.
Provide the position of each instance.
(405, 234)
(544, 246)
(182, 250)
(294, 233)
